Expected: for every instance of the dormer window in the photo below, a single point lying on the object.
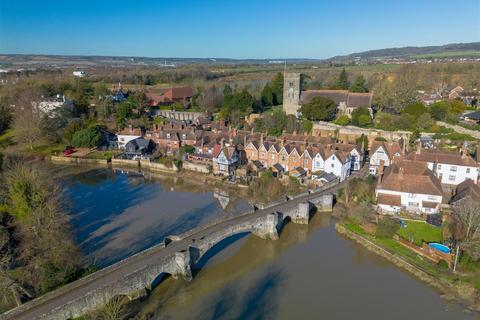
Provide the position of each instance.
(168, 135)
(184, 136)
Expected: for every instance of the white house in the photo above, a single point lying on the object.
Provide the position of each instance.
(452, 168)
(79, 74)
(410, 186)
(127, 135)
(383, 153)
(333, 162)
(356, 154)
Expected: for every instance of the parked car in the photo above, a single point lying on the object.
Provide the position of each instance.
(69, 151)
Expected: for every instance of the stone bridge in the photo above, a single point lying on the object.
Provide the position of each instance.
(176, 256)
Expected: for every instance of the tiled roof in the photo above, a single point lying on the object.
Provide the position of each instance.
(467, 188)
(391, 148)
(352, 99)
(389, 199)
(411, 177)
(179, 93)
(356, 100)
(442, 157)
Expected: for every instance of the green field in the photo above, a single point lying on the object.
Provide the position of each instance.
(419, 232)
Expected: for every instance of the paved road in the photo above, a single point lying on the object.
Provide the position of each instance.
(150, 256)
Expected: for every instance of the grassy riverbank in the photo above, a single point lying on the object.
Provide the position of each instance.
(461, 287)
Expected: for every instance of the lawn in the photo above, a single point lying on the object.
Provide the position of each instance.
(102, 155)
(419, 232)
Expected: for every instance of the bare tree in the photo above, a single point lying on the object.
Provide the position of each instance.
(27, 119)
(467, 228)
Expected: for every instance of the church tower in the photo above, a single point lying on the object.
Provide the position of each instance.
(291, 92)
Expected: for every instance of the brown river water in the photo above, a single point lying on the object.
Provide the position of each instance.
(311, 272)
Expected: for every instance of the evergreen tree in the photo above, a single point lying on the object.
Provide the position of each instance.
(360, 85)
(343, 80)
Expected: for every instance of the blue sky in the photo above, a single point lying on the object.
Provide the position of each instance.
(232, 29)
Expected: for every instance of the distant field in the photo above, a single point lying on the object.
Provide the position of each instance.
(449, 54)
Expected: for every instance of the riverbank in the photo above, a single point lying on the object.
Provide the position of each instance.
(450, 287)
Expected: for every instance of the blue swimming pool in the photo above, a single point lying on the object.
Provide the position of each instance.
(439, 247)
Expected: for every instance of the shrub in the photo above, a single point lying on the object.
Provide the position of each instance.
(442, 264)
(359, 113)
(342, 120)
(87, 138)
(386, 228)
(364, 120)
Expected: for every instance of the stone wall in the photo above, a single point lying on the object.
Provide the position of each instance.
(157, 167)
(349, 134)
(125, 163)
(187, 165)
(62, 159)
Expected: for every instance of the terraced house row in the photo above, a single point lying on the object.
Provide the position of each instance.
(227, 149)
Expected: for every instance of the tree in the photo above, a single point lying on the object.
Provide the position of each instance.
(46, 255)
(383, 120)
(466, 228)
(319, 108)
(363, 113)
(360, 85)
(87, 138)
(123, 112)
(277, 88)
(5, 118)
(415, 109)
(27, 126)
(439, 110)
(343, 82)
(424, 121)
(267, 96)
(343, 120)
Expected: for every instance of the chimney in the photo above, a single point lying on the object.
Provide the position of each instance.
(419, 148)
(401, 172)
(261, 139)
(130, 128)
(404, 147)
(294, 132)
(222, 143)
(251, 131)
(245, 140)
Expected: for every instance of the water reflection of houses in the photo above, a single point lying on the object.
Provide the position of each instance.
(223, 198)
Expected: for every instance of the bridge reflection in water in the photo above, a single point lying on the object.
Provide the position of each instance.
(245, 255)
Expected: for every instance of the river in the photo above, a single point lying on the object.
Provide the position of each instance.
(311, 272)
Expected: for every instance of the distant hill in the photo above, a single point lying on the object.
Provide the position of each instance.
(449, 50)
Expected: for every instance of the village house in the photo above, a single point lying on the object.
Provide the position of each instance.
(225, 160)
(383, 153)
(356, 154)
(128, 134)
(170, 138)
(328, 160)
(468, 189)
(452, 168)
(409, 186)
(139, 148)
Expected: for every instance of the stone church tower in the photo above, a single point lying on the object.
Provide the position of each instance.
(291, 92)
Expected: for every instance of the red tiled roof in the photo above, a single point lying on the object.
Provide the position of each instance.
(446, 157)
(389, 199)
(179, 93)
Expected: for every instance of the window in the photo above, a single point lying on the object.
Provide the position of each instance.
(333, 166)
(413, 204)
(318, 164)
(273, 156)
(168, 135)
(468, 170)
(451, 178)
(439, 167)
(453, 168)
